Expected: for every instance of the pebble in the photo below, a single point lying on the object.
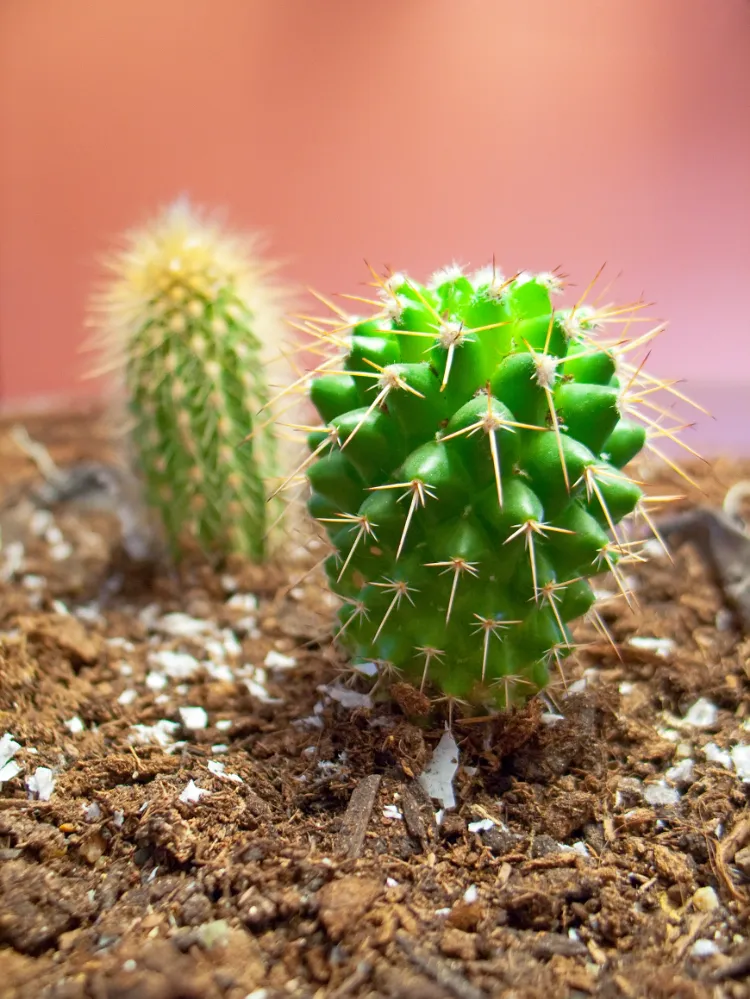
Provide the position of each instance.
(704, 948)
(117, 642)
(482, 825)
(40, 522)
(550, 718)
(741, 758)
(577, 687)
(232, 645)
(670, 734)
(61, 551)
(366, 669)
(682, 774)
(703, 714)
(347, 698)
(276, 660)
(311, 721)
(219, 671)
(661, 646)
(218, 770)
(715, 755)
(193, 793)
(41, 784)
(181, 625)
(661, 794)
(194, 718)
(90, 613)
(256, 685)
(245, 602)
(471, 894)
(178, 665)
(653, 548)
(11, 560)
(8, 749)
(705, 899)
(9, 770)
(161, 733)
(602, 595)
(213, 934)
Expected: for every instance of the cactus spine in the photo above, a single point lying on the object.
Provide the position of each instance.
(185, 323)
(468, 471)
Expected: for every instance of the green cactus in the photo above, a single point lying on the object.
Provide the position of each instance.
(469, 475)
(184, 323)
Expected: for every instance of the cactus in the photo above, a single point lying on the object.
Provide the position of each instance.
(184, 323)
(469, 473)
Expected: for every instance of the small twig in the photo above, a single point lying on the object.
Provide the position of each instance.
(438, 971)
(354, 982)
(37, 452)
(6, 804)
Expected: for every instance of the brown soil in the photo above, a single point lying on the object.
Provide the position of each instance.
(571, 866)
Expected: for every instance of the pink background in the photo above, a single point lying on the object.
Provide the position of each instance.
(406, 132)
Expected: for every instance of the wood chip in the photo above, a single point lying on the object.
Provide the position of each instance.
(418, 808)
(357, 816)
(413, 818)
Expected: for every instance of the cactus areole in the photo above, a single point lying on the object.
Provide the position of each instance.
(469, 474)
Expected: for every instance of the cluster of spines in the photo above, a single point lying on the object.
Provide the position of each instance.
(469, 473)
(185, 323)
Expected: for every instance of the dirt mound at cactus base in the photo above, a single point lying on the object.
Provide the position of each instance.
(195, 804)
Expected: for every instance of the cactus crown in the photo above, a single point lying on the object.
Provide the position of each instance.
(185, 323)
(469, 475)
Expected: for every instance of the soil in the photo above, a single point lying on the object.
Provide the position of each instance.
(275, 839)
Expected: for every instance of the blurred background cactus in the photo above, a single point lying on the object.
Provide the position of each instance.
(468, 471)
(186, 327)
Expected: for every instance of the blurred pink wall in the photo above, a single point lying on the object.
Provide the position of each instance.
(406, 132)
